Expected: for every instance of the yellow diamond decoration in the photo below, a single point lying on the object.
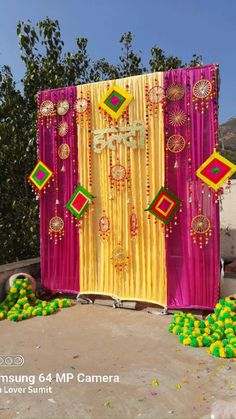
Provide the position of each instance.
(115, 101)
(215, 170)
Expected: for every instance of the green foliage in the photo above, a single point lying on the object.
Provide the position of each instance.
(47, 66)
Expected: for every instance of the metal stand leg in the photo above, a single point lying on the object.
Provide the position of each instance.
(83, 300)
(165, 311)
(117, 302)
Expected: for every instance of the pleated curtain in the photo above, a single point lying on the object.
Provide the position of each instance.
(155, 266)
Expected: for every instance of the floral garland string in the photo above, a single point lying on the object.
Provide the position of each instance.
(21, 303)
(218, 331)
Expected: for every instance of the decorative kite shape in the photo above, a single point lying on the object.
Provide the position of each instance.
(215, 170)
(79, 201)
(40, 176)
(164, 205)
(115, 101)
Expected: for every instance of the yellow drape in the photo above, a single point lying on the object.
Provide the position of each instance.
(145, 276)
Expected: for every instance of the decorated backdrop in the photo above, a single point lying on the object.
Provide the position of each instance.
(130, 179)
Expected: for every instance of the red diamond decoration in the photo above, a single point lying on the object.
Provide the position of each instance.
(79, 201)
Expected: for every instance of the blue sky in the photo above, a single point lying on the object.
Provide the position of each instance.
(181, 27)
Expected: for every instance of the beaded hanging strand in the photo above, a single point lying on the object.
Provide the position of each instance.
(38, 126)
(109, 124)
(118, 172)
(200, 229)
(133, 222)
(106, 117)
(214, 75)
(147, 147)
(166, 136)
(79, 107)
(188, 139)
(104, 224)
(175, 142)
(56, 223)
(79, 118)
(215, 72)
(89, 125)
(104, 221)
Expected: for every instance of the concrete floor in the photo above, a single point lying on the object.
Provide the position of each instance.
(96, 340)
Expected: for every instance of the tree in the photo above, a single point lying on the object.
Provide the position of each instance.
(47, 66)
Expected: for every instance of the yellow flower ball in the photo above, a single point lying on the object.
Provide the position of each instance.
(229, 330)
(227, 309)
(222, 353)
(199, 341)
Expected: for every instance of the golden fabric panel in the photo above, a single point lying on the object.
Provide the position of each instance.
(145, 275)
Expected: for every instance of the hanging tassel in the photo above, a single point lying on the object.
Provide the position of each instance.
(228, 186)
(176, 165)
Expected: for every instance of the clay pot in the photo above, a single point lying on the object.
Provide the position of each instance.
(12, 278)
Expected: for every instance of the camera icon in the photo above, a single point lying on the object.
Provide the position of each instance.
(11, 360)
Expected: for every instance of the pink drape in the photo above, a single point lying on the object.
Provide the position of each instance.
(192, 273)
(59, 262)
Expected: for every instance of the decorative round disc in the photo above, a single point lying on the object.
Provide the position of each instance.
(63, 129)
(56, 224)
(81, 105)
(176, 143)
(202, 88)
(46, 108)
(177, 117)
(104, 224)
(63, 107)
(119, 255)
(64, 151)
(156, 94)
(200, 224)
(175, 92)
(118, 172)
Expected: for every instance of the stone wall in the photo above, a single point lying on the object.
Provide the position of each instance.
(228, 224)
(30, 266)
